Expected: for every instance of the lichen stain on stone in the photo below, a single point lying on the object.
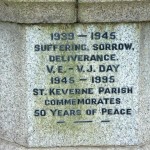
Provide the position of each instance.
(69, 125)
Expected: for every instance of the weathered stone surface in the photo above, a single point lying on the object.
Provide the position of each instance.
(39, 1)
(106, 11)
(24, 68)
(4, 145)
(91, 1)
(13, 102)
(144, 107)
(65, 11)
(38, 11)
(48, 131)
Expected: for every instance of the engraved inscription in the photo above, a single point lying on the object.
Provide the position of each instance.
(83, 75)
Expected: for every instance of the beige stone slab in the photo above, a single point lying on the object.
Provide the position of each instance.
(38, 12)
(122, 11)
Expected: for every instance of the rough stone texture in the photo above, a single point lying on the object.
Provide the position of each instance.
(13, 106)
(125, 11)
(92, 1)
(22, 70)
(4, 145)
(122, 129)
(38, 12)
(65, 11)
(144, 107)
(39, 1)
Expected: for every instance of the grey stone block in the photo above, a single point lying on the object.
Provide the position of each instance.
(144, 78)
(93, 1)
(113, 11)
(13, 106)
(60, 1)
(4, 145)
(23, 69)
(51, 11)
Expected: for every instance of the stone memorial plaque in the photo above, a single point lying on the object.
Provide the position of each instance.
(82, 84)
